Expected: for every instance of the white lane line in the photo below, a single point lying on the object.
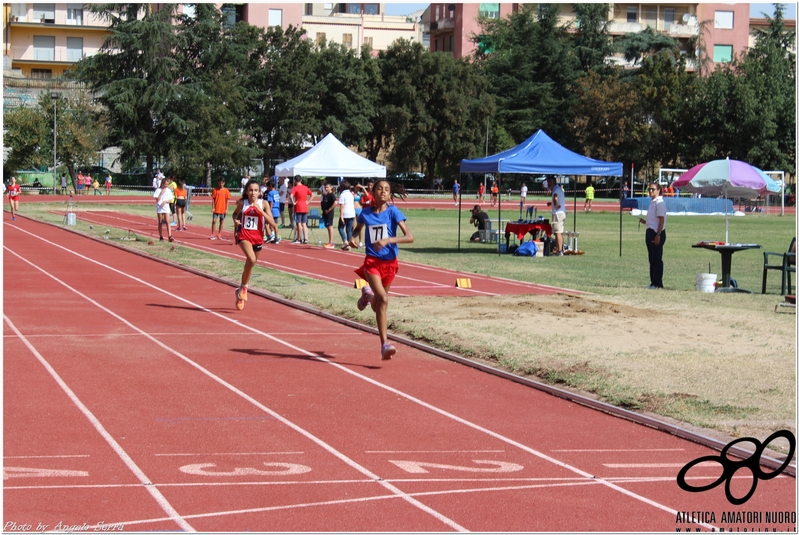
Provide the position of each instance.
(154, 492)
(179, 333)
(434, 451)
(42, 456)
(623, 449)
(626, 479)
(645, 465)
(374, 382)
(230, 453)
(324, 445)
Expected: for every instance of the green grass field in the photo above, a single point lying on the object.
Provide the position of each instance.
(722, 362)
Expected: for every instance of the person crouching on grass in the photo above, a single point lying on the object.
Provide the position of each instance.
(380, 265)
(250, 233)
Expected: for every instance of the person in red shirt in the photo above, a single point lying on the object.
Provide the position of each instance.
(301, 196)
(13, 197)
(366, 200)
(250, 233)
(220, 196)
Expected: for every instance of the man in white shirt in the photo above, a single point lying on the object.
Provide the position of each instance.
(655, 234)
(558, 222)
(283, 191)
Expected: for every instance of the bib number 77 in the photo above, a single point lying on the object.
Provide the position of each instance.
(378, 232)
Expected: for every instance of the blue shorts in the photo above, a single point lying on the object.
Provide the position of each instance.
(301, 218)
(219, 216)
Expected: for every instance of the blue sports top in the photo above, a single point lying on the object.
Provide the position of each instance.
(273, 196)
(379, 226)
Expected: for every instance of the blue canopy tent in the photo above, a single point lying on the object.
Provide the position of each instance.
(539, 154)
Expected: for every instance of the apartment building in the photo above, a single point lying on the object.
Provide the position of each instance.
(355, 25)
(43, 40)
(727, 26)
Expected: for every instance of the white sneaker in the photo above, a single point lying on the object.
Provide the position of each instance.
(366, 297)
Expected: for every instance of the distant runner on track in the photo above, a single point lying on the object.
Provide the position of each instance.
(250, 234)
(380, 265)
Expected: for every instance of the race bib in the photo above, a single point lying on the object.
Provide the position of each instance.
(378, 232)
(250, 222)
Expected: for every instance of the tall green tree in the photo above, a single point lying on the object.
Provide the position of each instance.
(445, 103)
(531, 70)
(592, 43)
(282, 94)
(347, 101)
(136, 76)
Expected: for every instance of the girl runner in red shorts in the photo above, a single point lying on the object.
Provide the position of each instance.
(380, 265)
(250, 233)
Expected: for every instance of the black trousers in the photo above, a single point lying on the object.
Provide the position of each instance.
(655, 257)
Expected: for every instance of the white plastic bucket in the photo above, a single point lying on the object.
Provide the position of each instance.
(706, 282)
(71, 219)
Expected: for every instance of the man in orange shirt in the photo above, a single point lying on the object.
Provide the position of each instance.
(301, 195)
(220, 197)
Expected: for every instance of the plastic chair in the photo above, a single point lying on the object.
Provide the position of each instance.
(786, 264)
(314, 218)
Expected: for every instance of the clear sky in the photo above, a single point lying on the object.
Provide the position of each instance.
(755, 10)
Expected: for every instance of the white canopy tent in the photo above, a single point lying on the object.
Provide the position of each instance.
(330, 157)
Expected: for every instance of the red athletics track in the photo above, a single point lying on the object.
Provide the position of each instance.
(136, 396)
(330, 265)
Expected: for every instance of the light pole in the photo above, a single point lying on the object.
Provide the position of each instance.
(54, 96)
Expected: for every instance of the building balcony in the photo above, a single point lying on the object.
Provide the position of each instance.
(442, 25)
(676, 31)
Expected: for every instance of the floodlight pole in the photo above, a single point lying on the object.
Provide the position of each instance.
(54, 96)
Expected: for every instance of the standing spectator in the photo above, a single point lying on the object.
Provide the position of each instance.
(63, 183)
(96, 186)
(108, 183)
(173, 186)
(589, 196)
(356, 202)
(220, 197)
(272, 197)
(346, 203)
(481, 189)
(244, 181)
(329, 204)
(523, 196)
(79, 184)
(283, 191)
(366, 199)
(301, 196)
(290, 204)
(163, 196)
(494, 193)
(655, 234)
(558, 204)
(13, 197)
(87, 183)
(156, 180)
(456, 190)
(380, 264)
(181, 196)
(250, 234)
(626, 190)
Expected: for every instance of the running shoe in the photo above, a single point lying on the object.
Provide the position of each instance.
(243, 293)
(212, 238)
(171, 239)
(13, 219)
(329, 246)
(184, 228)
(173, 224)
(366, 297)
(345, 247)
(239, 300)
(296, 242)
(360, 244)
(305, 242)
(277, 240)
(387, 351)
(271, 238)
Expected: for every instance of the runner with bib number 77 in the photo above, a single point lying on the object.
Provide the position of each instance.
(380, 265)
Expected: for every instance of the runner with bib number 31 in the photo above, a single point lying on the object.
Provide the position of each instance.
(250, 233)
(380, 265)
